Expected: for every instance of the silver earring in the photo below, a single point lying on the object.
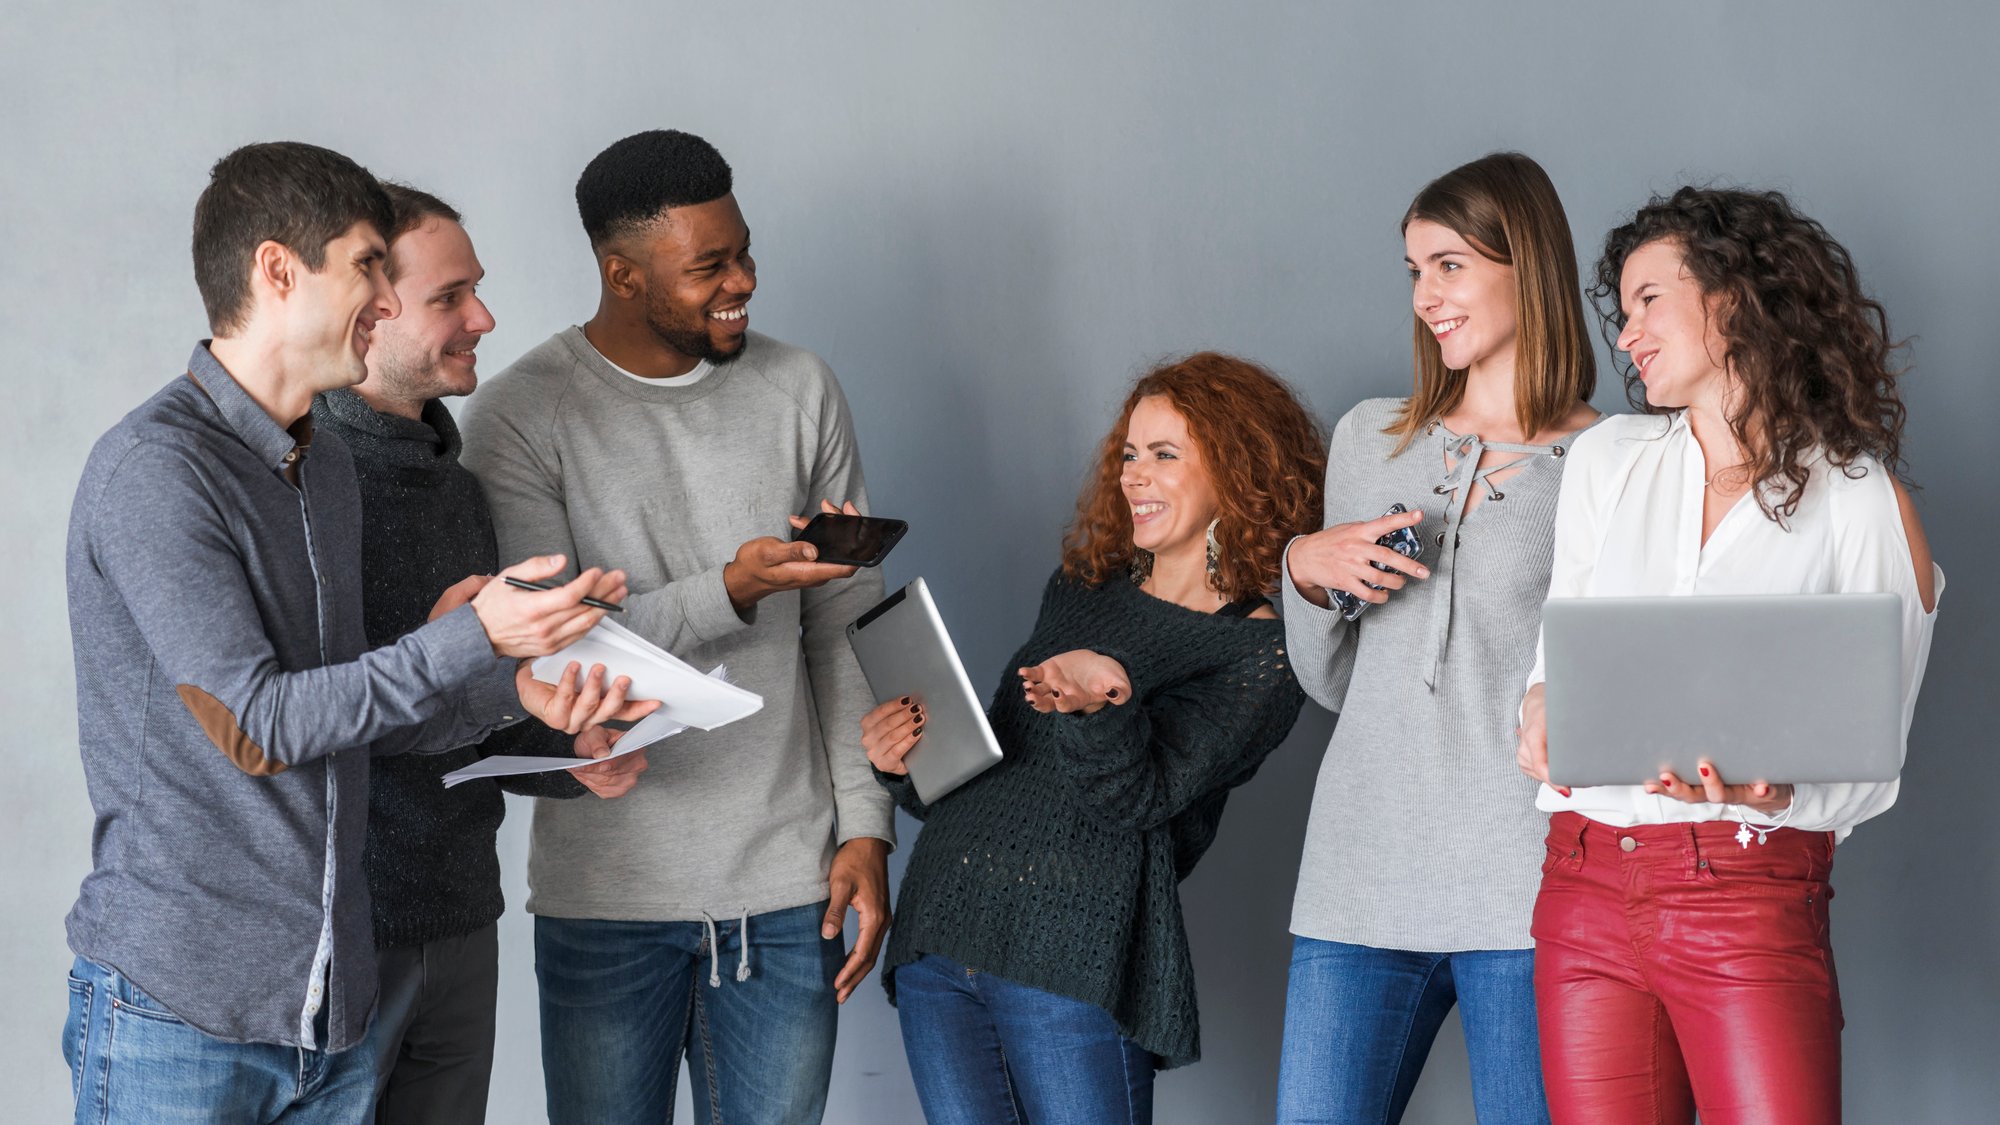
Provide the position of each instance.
(1212, 551)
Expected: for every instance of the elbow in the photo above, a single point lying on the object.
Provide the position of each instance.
(228, 736)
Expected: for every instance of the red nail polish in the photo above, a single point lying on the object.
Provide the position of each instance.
(1704, 771)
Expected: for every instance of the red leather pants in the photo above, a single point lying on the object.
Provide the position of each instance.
(1676, 970)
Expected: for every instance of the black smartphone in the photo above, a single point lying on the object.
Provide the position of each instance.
(852, 540)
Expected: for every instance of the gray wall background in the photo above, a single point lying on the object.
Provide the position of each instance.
(988, 218)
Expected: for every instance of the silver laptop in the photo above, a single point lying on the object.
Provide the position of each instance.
(1780, 688)
(904, 650)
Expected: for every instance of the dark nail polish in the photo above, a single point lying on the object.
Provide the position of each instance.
(1111, 693)
(906, 701)
(1055, 693)
(918, 730)
(916, 710)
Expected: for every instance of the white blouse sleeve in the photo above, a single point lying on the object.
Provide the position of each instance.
(1871, 555)
(1589, 467)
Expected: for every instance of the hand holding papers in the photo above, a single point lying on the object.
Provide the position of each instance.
(686, 696)
(644, 733)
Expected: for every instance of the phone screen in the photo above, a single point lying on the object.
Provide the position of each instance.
(853, 540)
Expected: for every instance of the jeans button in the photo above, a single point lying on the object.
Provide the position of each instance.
(1627, 843)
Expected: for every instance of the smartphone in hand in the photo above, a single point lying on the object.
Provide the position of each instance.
(852, 540)
(1403, 541)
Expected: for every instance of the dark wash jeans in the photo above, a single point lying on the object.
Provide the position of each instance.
(1359, 1022)
(622, 1002)
(131, 1060)
(985, 1050)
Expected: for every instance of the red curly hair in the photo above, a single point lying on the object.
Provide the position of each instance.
(1265, 455)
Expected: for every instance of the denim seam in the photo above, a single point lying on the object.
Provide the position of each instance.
(91, 1031)
(1653, 1071)
(110, 1045)
(700, 1013)
(1125, 1053)
(1403, 1050)
(971, 984)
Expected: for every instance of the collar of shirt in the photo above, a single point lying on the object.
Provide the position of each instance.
(274, 445)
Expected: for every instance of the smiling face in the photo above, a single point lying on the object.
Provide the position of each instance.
(1468, 300)
(699, 277)
(1171, 496)
(330, 313)
(428, 351)
(1671, 329)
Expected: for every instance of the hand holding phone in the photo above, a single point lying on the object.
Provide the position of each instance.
(1403, 541)
(851, 540)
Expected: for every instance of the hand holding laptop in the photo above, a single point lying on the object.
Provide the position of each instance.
(1762, 796)
(1531, 754)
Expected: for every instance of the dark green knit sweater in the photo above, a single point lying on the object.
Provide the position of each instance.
(1059, 867)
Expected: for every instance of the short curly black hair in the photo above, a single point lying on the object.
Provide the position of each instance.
(628, 184)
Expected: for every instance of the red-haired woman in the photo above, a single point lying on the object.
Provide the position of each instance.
(1680, 967)
(1038, 959)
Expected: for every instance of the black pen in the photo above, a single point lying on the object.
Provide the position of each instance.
(524, 584)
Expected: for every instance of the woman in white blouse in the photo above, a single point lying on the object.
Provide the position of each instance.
(1678, 969)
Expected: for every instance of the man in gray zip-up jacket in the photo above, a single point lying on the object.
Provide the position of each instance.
(227, 704)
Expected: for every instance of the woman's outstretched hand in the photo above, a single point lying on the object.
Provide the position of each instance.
(1076, 681)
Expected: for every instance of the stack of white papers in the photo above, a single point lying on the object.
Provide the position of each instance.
(686, 696)
(644, 733)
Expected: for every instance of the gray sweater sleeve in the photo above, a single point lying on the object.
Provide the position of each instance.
(1321, 641)
(510, 447)
(840, 693)
(158, 540)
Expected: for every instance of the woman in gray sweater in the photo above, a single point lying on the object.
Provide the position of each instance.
(1421, 862)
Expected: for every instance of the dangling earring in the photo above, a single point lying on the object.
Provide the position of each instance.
(1141, 566)
(1212, 579)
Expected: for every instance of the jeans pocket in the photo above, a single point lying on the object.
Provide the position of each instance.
(138, 1003)
(75, 1029)
(1780, 873)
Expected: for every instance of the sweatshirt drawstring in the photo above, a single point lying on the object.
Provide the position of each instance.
(714, 953)
(715, 950)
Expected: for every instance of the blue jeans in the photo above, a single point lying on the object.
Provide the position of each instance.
(987, 1051)
(131, 1060)
(1359, 1022)
(622, 1002)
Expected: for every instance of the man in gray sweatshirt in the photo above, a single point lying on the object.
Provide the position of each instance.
(666, 438)
(227, 700)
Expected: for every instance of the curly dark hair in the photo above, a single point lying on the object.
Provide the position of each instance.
(634, 179)
(1812, 352)
(1265, 455)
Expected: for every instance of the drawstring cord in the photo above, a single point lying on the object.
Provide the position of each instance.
(715, 951)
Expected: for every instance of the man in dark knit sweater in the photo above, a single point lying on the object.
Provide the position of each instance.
(432, 868)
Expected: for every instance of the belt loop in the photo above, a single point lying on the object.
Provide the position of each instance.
(1694, 863)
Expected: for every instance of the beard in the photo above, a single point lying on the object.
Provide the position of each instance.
(412, 374)
(686, 332)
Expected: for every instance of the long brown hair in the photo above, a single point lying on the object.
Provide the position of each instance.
(1507, 208)
(1265, 455)
(1812, 351)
